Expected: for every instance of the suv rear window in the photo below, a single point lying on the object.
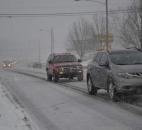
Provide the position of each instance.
(98, 57)
(64, 58)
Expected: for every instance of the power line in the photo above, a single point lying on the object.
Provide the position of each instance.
(67, 14)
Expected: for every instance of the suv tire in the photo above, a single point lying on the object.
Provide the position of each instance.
(112, 92)
(92, 90)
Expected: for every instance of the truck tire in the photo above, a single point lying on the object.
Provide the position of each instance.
(55, 78)
(49, 77)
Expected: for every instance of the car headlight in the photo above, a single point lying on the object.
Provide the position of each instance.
(61, 70)
(4, 65)
(125, 75)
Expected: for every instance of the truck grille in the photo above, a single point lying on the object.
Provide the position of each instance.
(69, 69)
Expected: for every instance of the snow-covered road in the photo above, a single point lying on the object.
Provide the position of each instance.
(54, 107)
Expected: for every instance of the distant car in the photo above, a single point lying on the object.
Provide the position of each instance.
(7, 64)
(37, 65)
(63, 65)
(118, 72)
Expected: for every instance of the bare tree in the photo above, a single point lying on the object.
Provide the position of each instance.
(99, 30)
(80, 37)
(130, 32)
(85, 36)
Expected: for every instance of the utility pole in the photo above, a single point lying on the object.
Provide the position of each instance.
(141, 23)
(107, 20)
(107, 31)
(39, 59)
(52, 40)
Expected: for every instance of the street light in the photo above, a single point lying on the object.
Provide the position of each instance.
(141, 22)
(52, 38)
(107, 21)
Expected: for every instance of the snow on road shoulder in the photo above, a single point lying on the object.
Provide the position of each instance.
(11, 116)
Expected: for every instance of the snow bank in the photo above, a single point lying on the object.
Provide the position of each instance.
(11, 117)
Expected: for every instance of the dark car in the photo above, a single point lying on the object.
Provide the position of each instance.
(63, 65)
(118, 72)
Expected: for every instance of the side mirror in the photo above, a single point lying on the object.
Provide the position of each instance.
(79, 60)
(105, 64)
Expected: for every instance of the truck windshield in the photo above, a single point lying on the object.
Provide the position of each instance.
(126, 58)
(64, 58)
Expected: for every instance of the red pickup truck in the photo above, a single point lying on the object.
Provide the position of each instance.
(63, 65)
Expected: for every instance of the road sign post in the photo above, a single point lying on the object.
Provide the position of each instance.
(102, 39)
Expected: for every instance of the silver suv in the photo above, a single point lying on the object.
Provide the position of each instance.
(118, 72)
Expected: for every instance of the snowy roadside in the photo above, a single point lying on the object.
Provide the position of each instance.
(12, 116)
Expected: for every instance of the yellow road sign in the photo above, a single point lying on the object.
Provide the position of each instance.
(103, 37)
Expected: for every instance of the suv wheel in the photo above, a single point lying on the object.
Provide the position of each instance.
(92, 90)
(112, 92)
(55, 78)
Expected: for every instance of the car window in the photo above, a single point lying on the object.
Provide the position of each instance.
(97, 57)
(103, 59)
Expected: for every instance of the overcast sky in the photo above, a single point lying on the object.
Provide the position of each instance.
(20, 36)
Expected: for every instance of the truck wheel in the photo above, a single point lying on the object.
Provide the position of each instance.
(92, 90)
(49, 77)
(55, 78)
